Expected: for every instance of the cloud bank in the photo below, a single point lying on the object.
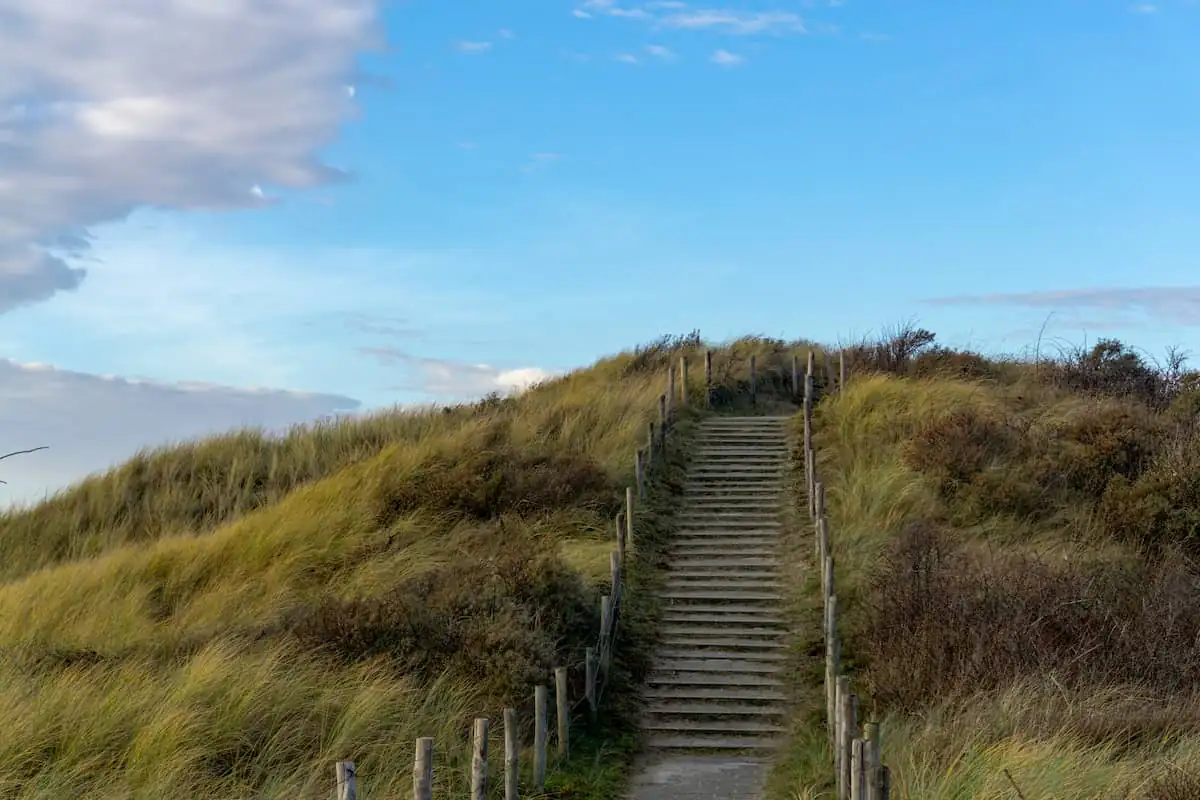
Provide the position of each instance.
(91, 422)
(110, 105)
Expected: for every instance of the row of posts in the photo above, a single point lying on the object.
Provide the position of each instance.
(597, 660)
(859, 771)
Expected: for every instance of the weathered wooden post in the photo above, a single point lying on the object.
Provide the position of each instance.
(670, 388)
(630, 544)
(650, 444)
(589, 662)
(683, 382)
(662, 424)
(541, 699)
(479, 756)
(562, 710)
(639, 469)
(512, 755)
(795, 378)
(347, 786)
(423, 770)
(857, 784)
(606, 621)
(841, 371)
(753, 379)
(708, 378)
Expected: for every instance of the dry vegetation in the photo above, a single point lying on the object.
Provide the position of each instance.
(1017, 549)
(228, 617)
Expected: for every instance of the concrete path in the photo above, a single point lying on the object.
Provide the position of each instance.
(714, 709)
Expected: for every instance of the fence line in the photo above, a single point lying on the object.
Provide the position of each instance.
(865, 777)
(857, 755)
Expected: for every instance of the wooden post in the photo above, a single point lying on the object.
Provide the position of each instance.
(833, 656)
(614, 571)
(620, 534)
(795, 378)
(841, 371)
(857, 784)
(650, 445)
(830, 576)
(562, 710)
(512, 755)
(881, 780)
(639, 469)
(869, 766)
(605, 632)
(662, 422)
(423, 770)
(541, 699)
(629, 542)
(819, 505)
(347, 786)
(589, 665)
(841, 739)
(708, 378)
(753, 379)
(683, 382)
(670, 389)
(479, 755)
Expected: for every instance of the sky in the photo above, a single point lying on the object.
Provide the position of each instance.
(216, 213)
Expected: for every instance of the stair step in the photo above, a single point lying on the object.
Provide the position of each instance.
(707, 578)
(745, 680)
(716, 666)
(723, 562)
(713, 709)
(750, 695)
(705, 743)
(729, 595)
(685, 652)
(718, 625)
(713, 726)
(710, 640)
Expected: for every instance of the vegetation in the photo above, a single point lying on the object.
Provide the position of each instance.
(1016, 548)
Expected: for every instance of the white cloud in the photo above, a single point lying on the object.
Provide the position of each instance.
(456, 379)
(91, 422)
(736, 22)
(473, 47)
(658, 51)
(726, 58)
(626, 58)
(1143, 8)
(118, 104)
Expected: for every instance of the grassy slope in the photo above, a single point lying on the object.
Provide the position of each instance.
(1017, 576)
(226, 618)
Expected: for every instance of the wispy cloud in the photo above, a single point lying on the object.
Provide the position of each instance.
(1144, 8)
(91, 422)
(626, 58)
(1179, 305)
(726, 58)
(505, 33)
(473, 47)
(456, 379)
(660, 52)
(679, 15)
(115, 108)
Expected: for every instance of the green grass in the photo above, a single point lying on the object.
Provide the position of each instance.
(1016, 554)
(226, 618)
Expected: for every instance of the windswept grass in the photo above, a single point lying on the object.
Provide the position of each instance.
(225, 618)
(1016, 550)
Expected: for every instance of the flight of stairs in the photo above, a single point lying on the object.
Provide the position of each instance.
(716, 685)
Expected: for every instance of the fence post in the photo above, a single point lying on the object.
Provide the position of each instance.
(810, 460)
(614, 571)
(683, 382)
(605, 633)
(347, 787)
(650, 444)
(639, 470)
(841, 371)
(541, 697)
(629, 542)
(423, 770)
(670, 388)
(819, 491)
(708, 378)
(562, 710)
(620, 534)
(795, 377)
(662, 424)
(589, 666)
(753, 379)
(512, 754)
(831, 669)
(883, 783)
(479, 754)
(857, 784)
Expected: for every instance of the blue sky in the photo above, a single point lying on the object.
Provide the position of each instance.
(513, 189)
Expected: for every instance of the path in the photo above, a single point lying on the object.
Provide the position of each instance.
(715, 698)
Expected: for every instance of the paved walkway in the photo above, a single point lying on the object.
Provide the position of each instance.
(715, 698)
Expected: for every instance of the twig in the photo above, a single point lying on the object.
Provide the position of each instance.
(21, 453)
(1016, 788)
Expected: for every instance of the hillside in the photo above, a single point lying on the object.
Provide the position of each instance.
(1016, 549)
(226, 618)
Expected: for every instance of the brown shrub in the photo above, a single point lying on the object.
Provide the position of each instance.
(494, 616)
(942, 362)
(942, 623)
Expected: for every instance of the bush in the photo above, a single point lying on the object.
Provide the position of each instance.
(494, 617)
